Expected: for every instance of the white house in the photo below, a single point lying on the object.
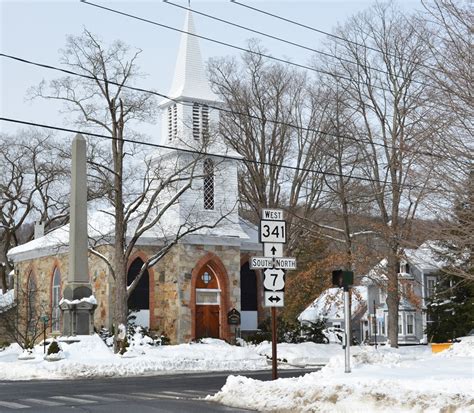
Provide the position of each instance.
(418, 276)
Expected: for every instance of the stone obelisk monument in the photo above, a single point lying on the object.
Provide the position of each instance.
(78, 304)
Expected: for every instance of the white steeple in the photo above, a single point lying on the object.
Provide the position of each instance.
(190, 81)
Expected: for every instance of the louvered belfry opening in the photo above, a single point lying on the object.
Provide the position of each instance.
(208, 184)
(196, 121)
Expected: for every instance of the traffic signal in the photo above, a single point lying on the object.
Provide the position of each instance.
(341, 278)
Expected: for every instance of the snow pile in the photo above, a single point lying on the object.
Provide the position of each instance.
(90, 300)
(465, 348)
(90, 357)
(302, 354)
(396, 380)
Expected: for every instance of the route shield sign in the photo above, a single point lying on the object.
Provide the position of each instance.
(274, 299)
(274, 279)
(273, 231)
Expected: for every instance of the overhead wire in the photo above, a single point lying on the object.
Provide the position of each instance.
(242, 49)
(216, 155)
(216, 107)
(324, 32)
(301, 46)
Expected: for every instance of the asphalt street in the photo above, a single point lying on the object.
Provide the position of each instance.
(163, 393)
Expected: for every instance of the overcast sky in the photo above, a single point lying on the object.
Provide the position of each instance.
(36, 30)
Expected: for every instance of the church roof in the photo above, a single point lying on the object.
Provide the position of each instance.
(190, 81)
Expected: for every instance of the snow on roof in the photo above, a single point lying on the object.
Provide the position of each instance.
(425, 256)
(6, 300)
(101, 229)
(330, 304)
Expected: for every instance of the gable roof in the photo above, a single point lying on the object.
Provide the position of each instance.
(330, 304)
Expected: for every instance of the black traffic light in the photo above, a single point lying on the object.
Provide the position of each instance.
(342, 278)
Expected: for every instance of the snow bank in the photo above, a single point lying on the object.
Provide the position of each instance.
(90, 357)
(302, 354)
(408, 379)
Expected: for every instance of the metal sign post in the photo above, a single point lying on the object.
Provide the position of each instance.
(273, 235)
(345, 279)
(347, 330)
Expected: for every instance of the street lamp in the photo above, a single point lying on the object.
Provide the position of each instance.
(44, 319)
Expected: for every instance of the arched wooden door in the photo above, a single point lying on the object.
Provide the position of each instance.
(208, 304)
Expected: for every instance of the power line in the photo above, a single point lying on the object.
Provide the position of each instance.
(243, 49)
(301, 46)
(221, 109)
(325, 33)
(203, 153)
(218, 108)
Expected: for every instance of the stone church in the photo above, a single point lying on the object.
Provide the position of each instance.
(189, 293)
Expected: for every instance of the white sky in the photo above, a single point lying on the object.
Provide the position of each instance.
(36, 30)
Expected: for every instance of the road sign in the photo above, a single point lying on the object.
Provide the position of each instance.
(285, 263)
(272, 214)
(274, 279)
(274, 299)
(273, 231)
(259, 263)
(272, 250)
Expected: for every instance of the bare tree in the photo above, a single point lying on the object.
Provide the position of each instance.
(394, 123)
(450, 40)
(265, 99)
(139, 192)
(23, 325)
(31, 184)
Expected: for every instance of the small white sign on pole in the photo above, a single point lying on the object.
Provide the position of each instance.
(272, 214)
(273, 231)
(272, 250)
(274, 299)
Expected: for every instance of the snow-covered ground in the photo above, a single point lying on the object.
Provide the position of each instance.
(408, 379)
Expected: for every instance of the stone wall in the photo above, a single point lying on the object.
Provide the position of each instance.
(171, 300)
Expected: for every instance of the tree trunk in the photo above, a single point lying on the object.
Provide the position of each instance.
(392, 298)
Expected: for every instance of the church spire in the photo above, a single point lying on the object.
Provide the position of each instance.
(190, 81)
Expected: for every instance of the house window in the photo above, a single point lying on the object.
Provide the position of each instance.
(430, 286)
(55, 297)
(410, 324)
(400, 324)
(382, 296)
(208, 184)
(404, 267)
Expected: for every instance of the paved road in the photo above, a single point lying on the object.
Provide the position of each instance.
(164, 393)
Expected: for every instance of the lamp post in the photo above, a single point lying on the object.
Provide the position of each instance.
(44, 319)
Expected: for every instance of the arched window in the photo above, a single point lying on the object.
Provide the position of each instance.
(139, 300)
(31, 291)
(208, 184)
(55, 297)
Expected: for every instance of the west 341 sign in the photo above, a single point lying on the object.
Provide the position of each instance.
(273, 231)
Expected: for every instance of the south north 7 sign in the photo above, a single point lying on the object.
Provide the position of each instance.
(273, 231)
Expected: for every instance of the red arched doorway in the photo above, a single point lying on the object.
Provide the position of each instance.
(209, 299)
